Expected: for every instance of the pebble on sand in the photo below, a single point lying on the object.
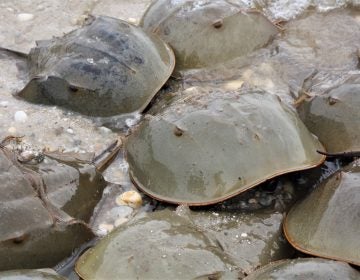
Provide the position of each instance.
(25, 17)
(130, 198)
(20, 116)
(4, 104)
(12, 130)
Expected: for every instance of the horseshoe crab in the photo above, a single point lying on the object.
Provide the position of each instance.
(159, 245)
(251, 239)
(305, 268)
(335, 118)
(327, 222)
(45, 204)
(105, 68)
(30, 274)
(210, 145)
(204, 33)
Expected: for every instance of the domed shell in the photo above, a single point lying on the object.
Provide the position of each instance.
(105, 68)
(204, 33)
(210, 145)
(335, 118)
(159, 245)
(305, 268)
(43, 208)
(327, 222)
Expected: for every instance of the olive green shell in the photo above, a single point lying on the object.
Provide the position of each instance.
(159, 245)
(335, 118)
(105, 68)
(252, 239)
(30, 274)
(43, 209)
(210, 145)
(327, 222)
(204, 33)
(309, 268)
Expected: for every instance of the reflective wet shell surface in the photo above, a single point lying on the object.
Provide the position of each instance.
(335, 118)
(210, 145)
(308, 268)
(105, 68)
(160, 245)
(327, 222)
(30, 274)
(252, 239)
(43, 207)
(203, 33)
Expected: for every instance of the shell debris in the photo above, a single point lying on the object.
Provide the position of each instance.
(130, 198)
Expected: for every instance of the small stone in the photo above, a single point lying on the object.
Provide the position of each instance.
(20, 116)
(104, 229)
(25, 17)
(244, 234)
(130, 198)
(130, 122)
(252, 201)
(267, 200)
(26, 156)
(132, 20)
(234, 85)
(70, 131)
(104, 130)
(12, 130)
(4, 104)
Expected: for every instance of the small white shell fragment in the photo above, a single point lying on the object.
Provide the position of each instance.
(104, 130)
(244, 234)
(234, 85)
(70, 131)
(25, 17)
(26, 156)
(20, 116)
(12, 130)
(104, 229)
(4, 103)
(130, 198)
